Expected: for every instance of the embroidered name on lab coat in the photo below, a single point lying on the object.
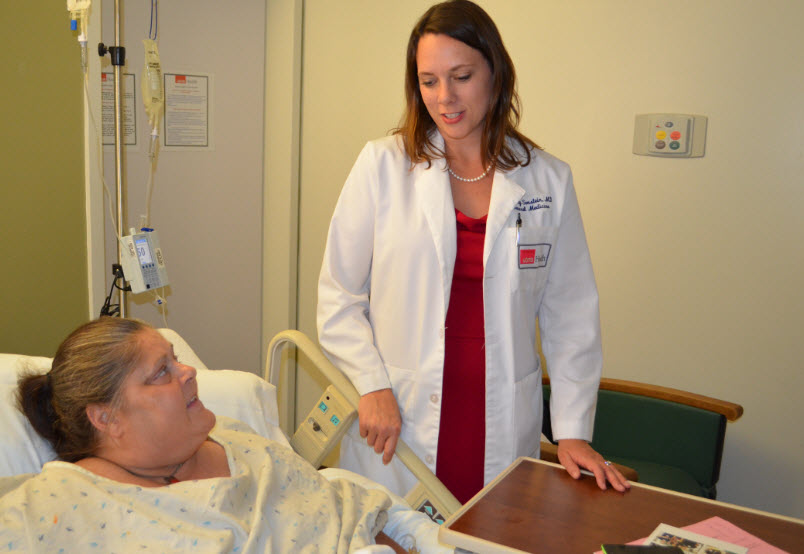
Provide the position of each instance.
(533, 255)
(533, 204)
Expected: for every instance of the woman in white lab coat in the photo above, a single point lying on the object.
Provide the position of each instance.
(448, 241)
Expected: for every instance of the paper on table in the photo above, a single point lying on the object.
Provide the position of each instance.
(688, 541)
(719, 528)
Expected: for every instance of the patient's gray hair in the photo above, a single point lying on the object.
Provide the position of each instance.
(90, 367)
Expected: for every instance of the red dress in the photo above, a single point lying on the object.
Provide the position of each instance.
(462, 431)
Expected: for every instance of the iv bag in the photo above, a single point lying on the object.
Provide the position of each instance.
(153, 90)
(74, 6)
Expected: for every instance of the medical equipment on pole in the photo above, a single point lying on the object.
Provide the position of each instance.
(143, 263)
(153, 91)
(78, 22)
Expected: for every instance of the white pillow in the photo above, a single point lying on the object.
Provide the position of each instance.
(12, 364)
(242, 396)
(21, 449)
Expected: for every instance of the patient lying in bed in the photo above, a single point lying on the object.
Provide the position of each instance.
(146, 466)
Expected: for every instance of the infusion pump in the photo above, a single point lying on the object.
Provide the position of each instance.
(143, 263)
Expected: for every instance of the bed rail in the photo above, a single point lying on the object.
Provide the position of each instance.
(429, 496)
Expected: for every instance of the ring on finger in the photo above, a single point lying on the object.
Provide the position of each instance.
(608, 463)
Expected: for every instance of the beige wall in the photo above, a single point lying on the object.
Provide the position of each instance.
(43, 279)
(699, 261)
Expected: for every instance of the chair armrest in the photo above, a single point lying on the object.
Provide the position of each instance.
(549, 453)
(729, 410)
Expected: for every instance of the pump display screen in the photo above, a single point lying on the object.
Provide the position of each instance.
(143, 251)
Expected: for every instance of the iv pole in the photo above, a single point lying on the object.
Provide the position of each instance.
(118, 57)
(118, 145)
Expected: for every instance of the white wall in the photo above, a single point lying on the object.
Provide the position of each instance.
(207, 205)
(699, 261)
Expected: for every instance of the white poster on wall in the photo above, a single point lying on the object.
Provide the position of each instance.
(129, 109)
(187, 111)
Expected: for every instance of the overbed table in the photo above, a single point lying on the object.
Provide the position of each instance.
(535, 506)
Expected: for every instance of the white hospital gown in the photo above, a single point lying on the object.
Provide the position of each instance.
(274, 501)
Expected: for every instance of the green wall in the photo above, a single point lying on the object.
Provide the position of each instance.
(43, 258)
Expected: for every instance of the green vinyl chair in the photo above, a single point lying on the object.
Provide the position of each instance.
(671, 438)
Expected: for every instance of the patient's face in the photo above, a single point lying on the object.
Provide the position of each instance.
(161, 417)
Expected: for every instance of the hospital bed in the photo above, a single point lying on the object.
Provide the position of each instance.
(252, 400)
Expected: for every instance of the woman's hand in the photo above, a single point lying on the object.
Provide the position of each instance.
(380, 422)
(575, 454)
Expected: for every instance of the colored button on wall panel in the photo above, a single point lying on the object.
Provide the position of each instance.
(323, 407)
(669, 134)
(335, 421)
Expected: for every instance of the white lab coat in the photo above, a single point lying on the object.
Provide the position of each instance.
(384, 290)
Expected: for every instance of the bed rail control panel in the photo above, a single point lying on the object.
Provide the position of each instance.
(670, 135)
(422, 500)
(323, 427)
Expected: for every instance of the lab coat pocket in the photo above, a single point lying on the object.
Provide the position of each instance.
(528, 413)
(532, 250)
(403, 383)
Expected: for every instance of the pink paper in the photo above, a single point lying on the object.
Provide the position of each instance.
(719, 528)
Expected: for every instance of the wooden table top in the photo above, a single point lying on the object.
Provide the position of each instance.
(535, 506)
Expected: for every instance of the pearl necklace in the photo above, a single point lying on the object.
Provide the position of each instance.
(464, 179)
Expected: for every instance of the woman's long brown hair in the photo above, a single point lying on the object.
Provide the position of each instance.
(469, 23)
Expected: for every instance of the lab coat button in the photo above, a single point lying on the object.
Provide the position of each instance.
(434, 398)
(429, 459)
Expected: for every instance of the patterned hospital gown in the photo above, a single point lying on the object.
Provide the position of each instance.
(274, 501)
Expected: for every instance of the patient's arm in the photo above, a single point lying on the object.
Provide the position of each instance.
(382, 538)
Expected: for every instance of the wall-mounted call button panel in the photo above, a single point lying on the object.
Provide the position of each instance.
(670, 135)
